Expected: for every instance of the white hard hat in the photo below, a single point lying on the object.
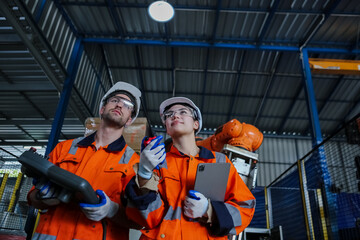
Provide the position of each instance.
(181, 100)
(128, 88)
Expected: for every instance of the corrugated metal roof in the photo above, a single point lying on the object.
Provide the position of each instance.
(234, 59)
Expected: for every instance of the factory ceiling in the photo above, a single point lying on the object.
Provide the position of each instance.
(234, 59)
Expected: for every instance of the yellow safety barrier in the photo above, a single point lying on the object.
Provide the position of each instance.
(13, 196)
(322, 214)
(307, 214)
(36, 221)
(3, 184)
(267, 209)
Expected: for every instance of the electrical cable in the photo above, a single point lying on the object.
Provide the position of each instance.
(104, 225)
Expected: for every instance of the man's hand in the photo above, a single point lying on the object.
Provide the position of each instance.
(195, 205)
(151, 156)
(97, 212)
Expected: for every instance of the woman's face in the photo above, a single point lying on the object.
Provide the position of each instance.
(180, 121)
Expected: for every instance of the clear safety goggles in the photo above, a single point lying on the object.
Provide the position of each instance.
(124, 102)
(182, 112)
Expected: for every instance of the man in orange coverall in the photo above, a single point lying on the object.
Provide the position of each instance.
(105, 161)
(164, 202)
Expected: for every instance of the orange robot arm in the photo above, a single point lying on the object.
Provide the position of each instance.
(222, 135)
(234, 133)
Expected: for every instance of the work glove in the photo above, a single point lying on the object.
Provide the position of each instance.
(195, 205)
(97, 212)
(48, 192)
(151, 156)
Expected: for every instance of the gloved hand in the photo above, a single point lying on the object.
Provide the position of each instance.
(48, 192)
(195, 204)
(151, 156)
(97, 212)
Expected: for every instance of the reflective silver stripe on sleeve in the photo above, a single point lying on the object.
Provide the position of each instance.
(220, 157)
(151, 207)
(74, 145)
(172, 215)
(247, 204)
(39, 236)
(233, 231)
(235, 214)
(127, 155)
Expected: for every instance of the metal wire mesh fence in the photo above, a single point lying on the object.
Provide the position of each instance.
(318, 197)
(13, 190)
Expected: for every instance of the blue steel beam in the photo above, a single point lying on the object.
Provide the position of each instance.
(65, 95)
(311, 100)
(319, 156)
(237, 40)
(209, 8)
(218, 45)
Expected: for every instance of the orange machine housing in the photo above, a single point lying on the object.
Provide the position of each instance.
(234, 133)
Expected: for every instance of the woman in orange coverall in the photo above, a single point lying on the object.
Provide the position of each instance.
(165, 202)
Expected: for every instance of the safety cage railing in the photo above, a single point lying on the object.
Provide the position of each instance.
(318, 197)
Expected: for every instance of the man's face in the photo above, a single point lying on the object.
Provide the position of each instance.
(117, 111)
(179, 121)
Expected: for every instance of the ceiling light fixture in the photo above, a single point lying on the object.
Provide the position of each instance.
(161, 11)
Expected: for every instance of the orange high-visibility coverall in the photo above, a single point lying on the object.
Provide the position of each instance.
(109, 168)
(161, 212)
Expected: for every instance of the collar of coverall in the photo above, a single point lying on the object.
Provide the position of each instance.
(116, 146)
(204, 152)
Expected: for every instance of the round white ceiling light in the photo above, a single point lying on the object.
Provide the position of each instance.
(161, 11)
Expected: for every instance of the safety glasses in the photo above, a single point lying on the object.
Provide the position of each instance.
(115, 100)
(182, 112)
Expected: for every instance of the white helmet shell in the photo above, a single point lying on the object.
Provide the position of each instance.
(180, 100)
(123, 86)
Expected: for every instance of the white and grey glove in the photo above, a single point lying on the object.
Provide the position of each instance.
(97, 212)
(48, 192)
(195, 205)
(151, 156)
